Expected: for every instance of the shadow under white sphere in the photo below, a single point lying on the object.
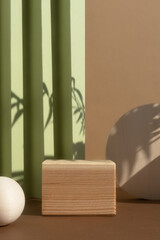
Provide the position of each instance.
(12, 200)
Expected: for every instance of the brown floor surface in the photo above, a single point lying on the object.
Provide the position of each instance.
(135, 219)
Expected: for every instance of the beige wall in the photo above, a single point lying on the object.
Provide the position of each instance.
(122, 64)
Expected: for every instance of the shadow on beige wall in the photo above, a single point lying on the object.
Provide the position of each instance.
(134, 144)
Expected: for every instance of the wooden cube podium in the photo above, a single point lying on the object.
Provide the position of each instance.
(78, 187)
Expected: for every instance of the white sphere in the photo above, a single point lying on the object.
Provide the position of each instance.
(12, 200)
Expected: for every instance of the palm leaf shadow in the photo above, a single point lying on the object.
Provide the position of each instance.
(79, 108)
(50, 103)
(19, 105)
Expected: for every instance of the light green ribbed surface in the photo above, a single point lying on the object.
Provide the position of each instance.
(5, 89)
(33, 95)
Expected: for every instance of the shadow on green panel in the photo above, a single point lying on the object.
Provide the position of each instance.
(50, 104)
(78, 107)
(79, 151)
(17, 106)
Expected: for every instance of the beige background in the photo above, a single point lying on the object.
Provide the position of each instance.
(122, 64)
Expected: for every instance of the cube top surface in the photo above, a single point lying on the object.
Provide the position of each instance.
(78, 162)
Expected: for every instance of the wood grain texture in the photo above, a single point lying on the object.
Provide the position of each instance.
(78, 187)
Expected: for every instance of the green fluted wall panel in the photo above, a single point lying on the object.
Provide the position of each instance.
(33, 99)
(61, 54)
(5, 89)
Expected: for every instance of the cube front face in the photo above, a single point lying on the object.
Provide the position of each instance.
(78, 187)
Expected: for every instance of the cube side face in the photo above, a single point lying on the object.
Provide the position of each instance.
(78, 189)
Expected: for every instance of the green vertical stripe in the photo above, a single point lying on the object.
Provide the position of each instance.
(33, 99)
(62, 78)
(5, 89)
